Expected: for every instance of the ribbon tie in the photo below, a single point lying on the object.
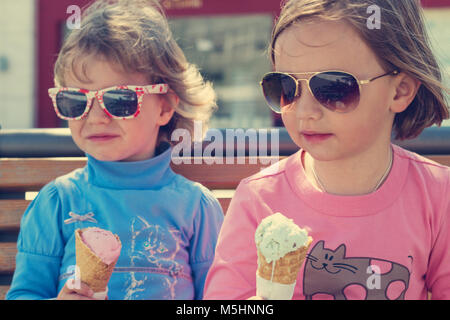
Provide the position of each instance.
(77, 217)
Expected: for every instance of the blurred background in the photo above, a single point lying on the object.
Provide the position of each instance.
(227, 39)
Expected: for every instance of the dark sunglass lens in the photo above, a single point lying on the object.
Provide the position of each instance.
(121, 103)
(336, 91)
(279, 90)
(71, 104)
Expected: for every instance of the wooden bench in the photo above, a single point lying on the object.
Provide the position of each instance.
(21, 175)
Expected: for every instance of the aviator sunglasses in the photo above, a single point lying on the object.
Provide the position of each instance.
(337, 91)
(119, 102)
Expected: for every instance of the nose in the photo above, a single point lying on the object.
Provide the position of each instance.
(325, 264)
(96, 113)
(306, 106)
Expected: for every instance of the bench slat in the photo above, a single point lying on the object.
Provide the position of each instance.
(8, 252)
(11, 212)
(223, 176)
(442, 159)
(31, 174)
(3, 290)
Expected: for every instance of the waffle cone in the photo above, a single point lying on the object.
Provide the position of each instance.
(286, 268)
(93, 271)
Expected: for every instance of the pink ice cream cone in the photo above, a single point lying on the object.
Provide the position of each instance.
(97, 252)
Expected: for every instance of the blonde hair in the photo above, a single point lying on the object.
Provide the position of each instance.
(401, 44)
(135, 35)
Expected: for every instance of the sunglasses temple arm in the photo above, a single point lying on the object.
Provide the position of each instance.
(393, 73)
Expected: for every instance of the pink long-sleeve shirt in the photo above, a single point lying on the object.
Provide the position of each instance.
(391, 244)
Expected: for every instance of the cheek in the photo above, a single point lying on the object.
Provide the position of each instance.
(291, 124)
(150, 106)
(352, 125)
(373, 108)
(75, 127)
(376, 98)
(147, 120)
(360, 128)
(376, 114)
(289, 120)
(138, 130)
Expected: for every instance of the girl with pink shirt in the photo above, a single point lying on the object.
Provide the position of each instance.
(344, 80)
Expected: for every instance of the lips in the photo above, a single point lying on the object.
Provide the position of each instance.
(312, 136)
(98, 137)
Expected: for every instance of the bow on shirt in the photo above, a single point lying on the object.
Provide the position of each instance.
(78, 217)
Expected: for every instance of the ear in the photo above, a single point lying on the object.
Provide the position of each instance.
(168, 105)
(405, 90)
(340, 251)
(139, 224)
(319, 245)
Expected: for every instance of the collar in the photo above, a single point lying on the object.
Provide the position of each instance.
(146, 174)
(349, 206)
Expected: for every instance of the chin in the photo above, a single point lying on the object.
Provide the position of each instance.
(319, 153)
(106, 157)
(107, 154)
(321, 157)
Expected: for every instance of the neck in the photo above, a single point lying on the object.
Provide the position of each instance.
(356, 175)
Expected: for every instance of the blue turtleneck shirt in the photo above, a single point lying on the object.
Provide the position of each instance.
(167, 224)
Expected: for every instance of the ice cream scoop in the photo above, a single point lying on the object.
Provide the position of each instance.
(103, 243)
(277, 235)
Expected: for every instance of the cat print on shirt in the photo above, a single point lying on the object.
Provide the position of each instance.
(153, 252)
(330, 273)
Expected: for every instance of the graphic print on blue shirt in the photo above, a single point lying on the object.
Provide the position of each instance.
(153, 251)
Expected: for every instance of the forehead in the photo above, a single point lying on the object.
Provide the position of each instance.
(95, 73)
(317, 45)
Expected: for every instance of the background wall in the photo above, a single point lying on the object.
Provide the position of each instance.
(17, 63)
(225, 39)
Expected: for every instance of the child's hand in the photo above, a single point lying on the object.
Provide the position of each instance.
(75, 291)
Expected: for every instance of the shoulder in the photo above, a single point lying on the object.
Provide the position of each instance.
(192, 190)
(426, 179)
(271, 174)
(423, 168)
(55, 188)
(52, 194)
(70, 182)
(179, 182)
(256, 191)
(74, 176)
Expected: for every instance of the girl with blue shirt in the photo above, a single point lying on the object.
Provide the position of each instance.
(124, 86)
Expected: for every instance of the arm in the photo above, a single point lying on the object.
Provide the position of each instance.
(207, 224)
(438, 275)
(233, 272)
(40, 249)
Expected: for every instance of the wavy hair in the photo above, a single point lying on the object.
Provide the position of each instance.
(135, 35)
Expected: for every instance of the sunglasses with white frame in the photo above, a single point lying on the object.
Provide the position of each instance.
(89, 95)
